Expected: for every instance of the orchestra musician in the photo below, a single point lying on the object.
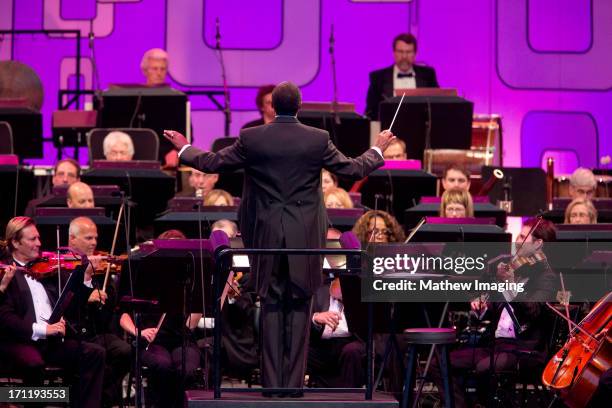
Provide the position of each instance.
(336, 356)
(403, 74)
(456, 203)
(27, 341)
(519, 321)
(456, 176)
(263, 100)
(118, 146)
(97, 321)
(80, 195)
(282, 207)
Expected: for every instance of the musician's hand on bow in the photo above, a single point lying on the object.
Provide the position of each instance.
(479, 304)
(9, 272)
(329, 318)
(177, 139)
(384, 139)
(97, 296)
(56, 329)
(149, 334)
(504, 273)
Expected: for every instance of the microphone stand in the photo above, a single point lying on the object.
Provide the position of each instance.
(226, 99)
(332, 56)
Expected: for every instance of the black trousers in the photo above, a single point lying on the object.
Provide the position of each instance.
(337, 362)
(83, 362)
(118, 364)
(284, 331)
(164, 363)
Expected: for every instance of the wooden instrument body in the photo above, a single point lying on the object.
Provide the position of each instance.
(575, 370)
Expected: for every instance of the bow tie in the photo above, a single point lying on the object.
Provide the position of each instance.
(408, 75)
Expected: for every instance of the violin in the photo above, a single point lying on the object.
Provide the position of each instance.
(103, 260)
(575, 370)
(46, 265)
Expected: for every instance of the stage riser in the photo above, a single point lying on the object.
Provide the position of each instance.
(197, 399)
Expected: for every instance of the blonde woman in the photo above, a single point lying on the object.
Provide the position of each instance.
(219, 198)
(337, 197)
(456, 203)
(580, 211)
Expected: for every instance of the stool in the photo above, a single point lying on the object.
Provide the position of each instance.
(429, 336)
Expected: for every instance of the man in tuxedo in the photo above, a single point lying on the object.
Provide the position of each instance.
(96, 322)
(336, 356)
(27, 341)
(282, 207)
(403, 74)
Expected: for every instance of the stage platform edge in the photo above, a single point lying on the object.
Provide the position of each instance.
(198, 398)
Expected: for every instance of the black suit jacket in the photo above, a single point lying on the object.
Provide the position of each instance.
(282, 202)
(528, 306)
(17, 308)
(381, 86)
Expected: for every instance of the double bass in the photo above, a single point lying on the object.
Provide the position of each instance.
(575, 370)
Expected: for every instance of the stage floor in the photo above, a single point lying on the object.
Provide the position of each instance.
(197, 398)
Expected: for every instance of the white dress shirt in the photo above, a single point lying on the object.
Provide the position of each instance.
(505, 325)
(405, 82)
(42, 306)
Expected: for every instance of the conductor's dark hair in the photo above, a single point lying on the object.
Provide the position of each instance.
(286, 98)
(407, 38)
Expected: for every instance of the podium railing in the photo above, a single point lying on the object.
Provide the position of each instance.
(223, 263)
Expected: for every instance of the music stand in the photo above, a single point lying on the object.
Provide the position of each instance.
(69, 129)
(156, 108)
(401, 188)
(149, 188)
(430, 122)
(17, 190)
(350, 134)
(26, 125)
(413, 215)
(49, 219)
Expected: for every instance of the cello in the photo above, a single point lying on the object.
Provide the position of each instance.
(574, 371)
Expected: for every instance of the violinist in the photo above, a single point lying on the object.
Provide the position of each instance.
(518, 320)
(27, 341)
(97, 320)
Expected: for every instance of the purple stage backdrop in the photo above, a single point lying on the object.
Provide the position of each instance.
(544, 65)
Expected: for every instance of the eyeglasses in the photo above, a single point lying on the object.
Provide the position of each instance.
(379, 231)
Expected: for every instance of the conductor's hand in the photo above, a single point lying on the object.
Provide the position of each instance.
(327, 318)
(57, 329)
(177, 139)
(384, 139)
(149, 334)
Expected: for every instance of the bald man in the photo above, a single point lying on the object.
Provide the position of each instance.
(95, 326)
(80, 195)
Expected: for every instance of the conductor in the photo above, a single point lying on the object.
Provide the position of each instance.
(282, 207)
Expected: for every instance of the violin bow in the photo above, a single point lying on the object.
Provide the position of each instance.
(159, 324)
(112, 251)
